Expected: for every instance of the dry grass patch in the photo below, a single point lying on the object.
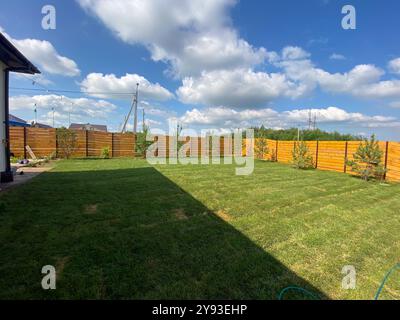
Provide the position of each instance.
(224, 215)
(60, 265)
(180, 214)
(91, 209)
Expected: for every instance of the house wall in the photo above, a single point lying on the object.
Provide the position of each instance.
(2, 119)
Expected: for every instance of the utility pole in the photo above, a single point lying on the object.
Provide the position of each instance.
(53, 116)
(35, 114)
(144, 125)
(315, 121)
(136, 111)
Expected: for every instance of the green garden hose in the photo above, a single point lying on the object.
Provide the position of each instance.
(315, 297)
(378, 293)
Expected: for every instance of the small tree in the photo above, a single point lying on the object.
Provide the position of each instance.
(66, 140)
(301, 156)
(261, 147)
(141, 141)
(367, 161)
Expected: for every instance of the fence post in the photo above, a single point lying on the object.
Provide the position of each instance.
(24, 142)
(112, 144)
(55, 132)
(345, 157)
(386, 159)
(316, 155)
(87, 143)
(276, 150)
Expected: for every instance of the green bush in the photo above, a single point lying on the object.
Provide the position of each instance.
(367, 161)
(66, 140)
(141, 142)
(301, 156)
(14, 160)
(105, 153)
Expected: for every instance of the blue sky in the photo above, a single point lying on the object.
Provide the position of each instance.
(211, 64)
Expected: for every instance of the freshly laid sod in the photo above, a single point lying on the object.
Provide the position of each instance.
(122, 229)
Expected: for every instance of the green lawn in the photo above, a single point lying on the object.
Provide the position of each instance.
(120, 228)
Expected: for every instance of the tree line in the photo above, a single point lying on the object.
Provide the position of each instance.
(305, 135)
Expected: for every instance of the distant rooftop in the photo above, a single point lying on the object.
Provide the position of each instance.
(88, 126)
(41, 125)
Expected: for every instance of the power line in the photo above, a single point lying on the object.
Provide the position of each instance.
(72, 91)
(44, 88)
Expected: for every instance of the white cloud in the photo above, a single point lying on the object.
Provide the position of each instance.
(337, 56)
(294, 53)
(333, 114)
(299, 77)
(96, 83)
(43, 54)
(227, 118)
(191, 35)
(363, 81)
(395, 104)
(198, 42)
(238, 88)
(80, 109)
(394, 66)
(157, 111)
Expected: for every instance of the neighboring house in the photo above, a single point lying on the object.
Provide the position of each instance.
(40, 125)
(11, 60)
(88, 126)
(17, 122)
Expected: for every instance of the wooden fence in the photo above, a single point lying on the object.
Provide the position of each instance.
(327, 155)
(332, 155)
(43, 142)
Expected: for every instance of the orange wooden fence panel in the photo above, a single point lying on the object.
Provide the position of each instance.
(331, 155)
(123, 145)
(17, 141)
(393, 161)
(97, 141)
(42, 141)
(285, 151)
(327, 155)
(80, 149)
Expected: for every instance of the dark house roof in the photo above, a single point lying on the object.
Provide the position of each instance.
(15, 119)
(13, 59)
(17, 122)
(41, 126)
(88, 126)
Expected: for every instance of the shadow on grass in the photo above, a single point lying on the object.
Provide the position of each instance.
(129, 234)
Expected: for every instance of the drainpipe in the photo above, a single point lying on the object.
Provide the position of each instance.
(7, 175)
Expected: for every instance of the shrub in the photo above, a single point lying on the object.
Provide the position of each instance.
(261, 147)
(301, 156)
(66, 140)
(141, 142)
(14, 160)
(105, 153)
(367, 161)
(273, 156)
(52, 156)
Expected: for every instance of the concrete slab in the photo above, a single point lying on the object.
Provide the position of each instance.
(29, 173)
